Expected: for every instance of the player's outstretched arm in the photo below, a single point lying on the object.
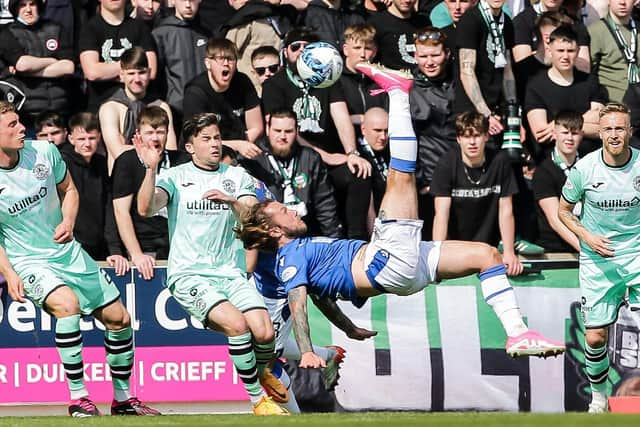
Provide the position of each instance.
(238, 206)
(69, 206)
(601, 245)
(332, 311)
(298, 306)
(14, 282)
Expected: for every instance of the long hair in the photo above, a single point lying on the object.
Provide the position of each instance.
(254, 228)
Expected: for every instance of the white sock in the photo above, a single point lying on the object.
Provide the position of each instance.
(78, 394)
(599, 397)
(499, 294)
(291, 351)
(121, 395)
(403, 143)
(256, 399)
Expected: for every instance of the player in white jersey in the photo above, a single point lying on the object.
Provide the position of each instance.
(204, 198)
(395, 260)
(607, 183)
(40, 260)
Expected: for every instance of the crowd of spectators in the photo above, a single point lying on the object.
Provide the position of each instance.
(90, 76)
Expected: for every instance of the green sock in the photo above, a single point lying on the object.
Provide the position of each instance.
(597, 367)
(119, 347)
(264, 354)
(69, 345)
(244, 359)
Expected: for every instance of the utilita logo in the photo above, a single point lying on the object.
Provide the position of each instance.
(618, 203)
(28, 201)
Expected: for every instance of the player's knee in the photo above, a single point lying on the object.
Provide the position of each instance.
(491, 254)
(62, 303)
(117, 320)
(235, 327)
(263, 334)
(596, 338)
(65, 308)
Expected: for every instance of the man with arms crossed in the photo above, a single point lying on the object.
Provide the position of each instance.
(40, 260)
(205, 274)
(395, 261)
(607, 182)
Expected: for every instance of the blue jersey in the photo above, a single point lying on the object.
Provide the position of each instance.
(265, 277)
(321, 264)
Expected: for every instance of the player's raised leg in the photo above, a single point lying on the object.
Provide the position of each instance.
(118, 343)
(63, 304)
(400, 200)
(458, 258)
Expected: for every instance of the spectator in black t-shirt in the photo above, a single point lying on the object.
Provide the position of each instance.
(265, 62)
(455, 9)
(95, 227)
(146, 239)
(486, 81)
(539, 59)
(395, 28)
(562, 88)
(225, 91)
(323, 120)
(527, 37)
(103, 39)
(473, 187)
(549, 179)
(359, 46)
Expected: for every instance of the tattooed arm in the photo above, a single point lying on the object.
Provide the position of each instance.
(299, 316)
(470, 80)
(332, 311)
(599, 244)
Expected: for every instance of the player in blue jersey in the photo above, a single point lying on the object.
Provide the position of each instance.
(607, 184)
(206, 271)
(40, 260)
(395, 260)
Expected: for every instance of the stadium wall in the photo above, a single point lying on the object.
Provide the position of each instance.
(440, 350)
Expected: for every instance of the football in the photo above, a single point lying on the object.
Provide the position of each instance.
(319, 65)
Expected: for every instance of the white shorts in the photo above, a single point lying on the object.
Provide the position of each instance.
(282, 322)
(397, 261)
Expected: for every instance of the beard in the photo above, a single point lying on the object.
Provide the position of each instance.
(282, 152)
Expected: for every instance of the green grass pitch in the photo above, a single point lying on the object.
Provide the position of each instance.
(382, 419)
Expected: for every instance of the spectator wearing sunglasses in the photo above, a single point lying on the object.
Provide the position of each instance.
(359, 45)
(182, 46)
(431, 101)
(265, 62)
(324, 124)
(225, 91)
